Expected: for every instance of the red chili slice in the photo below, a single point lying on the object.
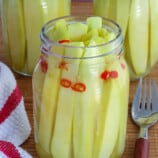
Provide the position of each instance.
(79, 87)
(44, 65)
(105, 75)
(64, 41)
(63, 65)
(65, 83)
(113, 74)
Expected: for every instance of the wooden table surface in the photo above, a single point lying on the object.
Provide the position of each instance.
(25, 84)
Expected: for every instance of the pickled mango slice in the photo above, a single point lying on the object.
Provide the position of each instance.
(124, 95)
(3, 11)
(64, 6)
(62, 136)
(101, 7)
(153, 32)
(38, 83)
(60, 31)
(49, 104)
(32, 11)
(122, 14)
(55, 9)
(109, 113)
(50, 9)
(139, 16)
(77, 30)
(16, 33)
(86, 104)
(94, 23)
(112, 10)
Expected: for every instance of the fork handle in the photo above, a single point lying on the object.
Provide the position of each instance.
(141, 148)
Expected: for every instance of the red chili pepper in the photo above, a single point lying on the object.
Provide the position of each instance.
(65, 83)
(79, 87)
(105, 75)
(63, 65)
(44, 65)
(113, 74)
(64, 41)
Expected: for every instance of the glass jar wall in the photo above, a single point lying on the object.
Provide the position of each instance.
(21, 24)
(139, 22)
(80, 90)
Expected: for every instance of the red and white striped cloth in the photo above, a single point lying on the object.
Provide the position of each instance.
(14, 124)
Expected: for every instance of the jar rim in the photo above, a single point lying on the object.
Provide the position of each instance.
(48, 42)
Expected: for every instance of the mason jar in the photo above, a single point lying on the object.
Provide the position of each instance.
(138, 20)
(21, 24)
(80, 92)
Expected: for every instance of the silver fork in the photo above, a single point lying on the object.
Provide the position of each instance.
(144, 113)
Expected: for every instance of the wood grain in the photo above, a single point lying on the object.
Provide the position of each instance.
(25, 84)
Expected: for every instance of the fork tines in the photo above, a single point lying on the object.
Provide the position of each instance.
(146, 96)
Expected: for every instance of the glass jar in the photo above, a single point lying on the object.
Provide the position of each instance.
(138, 20)
(21, 24)
(80, 95)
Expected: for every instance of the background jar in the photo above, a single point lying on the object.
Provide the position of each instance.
(139, 23)
(21, 24)
(80, 96)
